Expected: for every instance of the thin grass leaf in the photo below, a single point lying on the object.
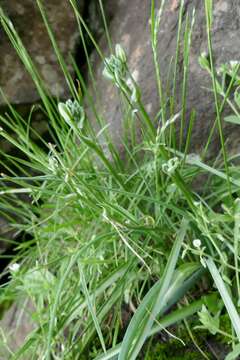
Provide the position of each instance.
(91, 309)
(141, 325)
(231, 309)
(168, 320)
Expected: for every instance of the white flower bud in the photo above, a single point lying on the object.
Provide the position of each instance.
(120, 53)
(65, 113)
(14, 267)
(197, 243)
(52, 164)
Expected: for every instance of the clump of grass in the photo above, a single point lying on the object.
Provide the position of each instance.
(107, 235)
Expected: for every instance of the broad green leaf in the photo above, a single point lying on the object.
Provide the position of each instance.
(209, 322)
(234, 355)
(233, 119)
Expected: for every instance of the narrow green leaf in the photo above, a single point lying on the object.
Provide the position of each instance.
(91, 309)
(168, 320)
(232, 312)
(146, 313)
(233, 119)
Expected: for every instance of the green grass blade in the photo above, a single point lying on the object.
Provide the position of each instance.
(168, 320)
(231, 309)
(91, 309)
(141, 325)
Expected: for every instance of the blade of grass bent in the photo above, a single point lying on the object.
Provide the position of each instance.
(57, 50)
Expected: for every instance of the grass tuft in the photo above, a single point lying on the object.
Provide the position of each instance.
(115, 251)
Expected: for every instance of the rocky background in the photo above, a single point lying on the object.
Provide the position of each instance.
(129, 26)
(24, 14)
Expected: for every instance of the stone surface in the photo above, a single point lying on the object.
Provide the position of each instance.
(25, 15)
(15, 327)
(131, 28)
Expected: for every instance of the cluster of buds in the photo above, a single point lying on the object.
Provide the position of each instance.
(72, 112)
(170, 167)
(116, 70)
(115, 66)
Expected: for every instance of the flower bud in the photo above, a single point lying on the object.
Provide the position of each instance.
(65, 113)
(120, 53)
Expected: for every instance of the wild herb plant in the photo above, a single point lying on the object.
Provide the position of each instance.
(108, 235)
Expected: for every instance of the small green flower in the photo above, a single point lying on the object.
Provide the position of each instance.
(72, 112)
(115, 66)
(65, 113)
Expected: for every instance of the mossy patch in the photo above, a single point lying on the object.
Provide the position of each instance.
(174, 349)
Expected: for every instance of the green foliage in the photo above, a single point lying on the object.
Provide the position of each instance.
(172, 350)
(209, 322)
(107, 234)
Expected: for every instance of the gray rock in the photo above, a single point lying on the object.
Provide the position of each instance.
(131, 28)
(24, 14)
(15, 326)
